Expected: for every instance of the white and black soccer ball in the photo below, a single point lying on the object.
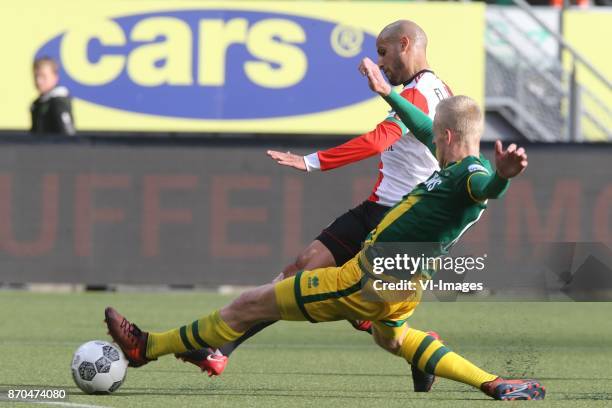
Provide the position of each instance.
(99, 367)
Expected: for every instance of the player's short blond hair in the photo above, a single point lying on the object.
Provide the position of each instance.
(461, 115)
(42, 61)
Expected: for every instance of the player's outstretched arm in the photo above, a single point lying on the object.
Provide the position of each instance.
(415, 120)
(288, 159)
(359, 148)
(509, 163)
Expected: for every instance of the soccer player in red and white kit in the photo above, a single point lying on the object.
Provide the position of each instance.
(404, 163)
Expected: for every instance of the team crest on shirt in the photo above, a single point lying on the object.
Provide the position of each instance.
(433, 182)
(313, 282)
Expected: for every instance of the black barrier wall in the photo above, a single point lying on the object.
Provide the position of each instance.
(112, 210)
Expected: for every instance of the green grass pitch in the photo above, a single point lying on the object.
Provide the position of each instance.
(568, 346)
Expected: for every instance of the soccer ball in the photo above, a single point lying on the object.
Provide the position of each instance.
(99, 367)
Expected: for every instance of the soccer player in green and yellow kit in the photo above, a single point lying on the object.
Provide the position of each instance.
(438, 210)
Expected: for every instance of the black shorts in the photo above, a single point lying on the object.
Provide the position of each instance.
(344, 236)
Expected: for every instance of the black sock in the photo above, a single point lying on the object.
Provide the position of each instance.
(228, 348)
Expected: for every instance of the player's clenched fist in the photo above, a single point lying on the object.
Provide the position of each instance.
(376, 82)
(510, 162)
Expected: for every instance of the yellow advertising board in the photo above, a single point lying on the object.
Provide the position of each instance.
(219, 66)
(589, 32)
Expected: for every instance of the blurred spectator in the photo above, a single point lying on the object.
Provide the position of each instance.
(52, 110)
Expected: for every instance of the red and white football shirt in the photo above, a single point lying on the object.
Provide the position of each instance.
(404, 161)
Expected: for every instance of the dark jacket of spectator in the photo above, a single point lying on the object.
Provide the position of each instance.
(52, 112)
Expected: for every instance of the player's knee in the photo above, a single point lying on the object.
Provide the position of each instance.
(246, 306)
(302, 260)
(392, 345)
(289, 271)
(293, 268)
(257, 304)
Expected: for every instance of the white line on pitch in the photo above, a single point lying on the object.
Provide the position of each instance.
(55, 403)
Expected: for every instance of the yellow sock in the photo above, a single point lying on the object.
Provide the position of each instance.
(209, 331)
(431, 356)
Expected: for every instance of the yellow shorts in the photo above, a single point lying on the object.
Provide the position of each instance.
(339, 293)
